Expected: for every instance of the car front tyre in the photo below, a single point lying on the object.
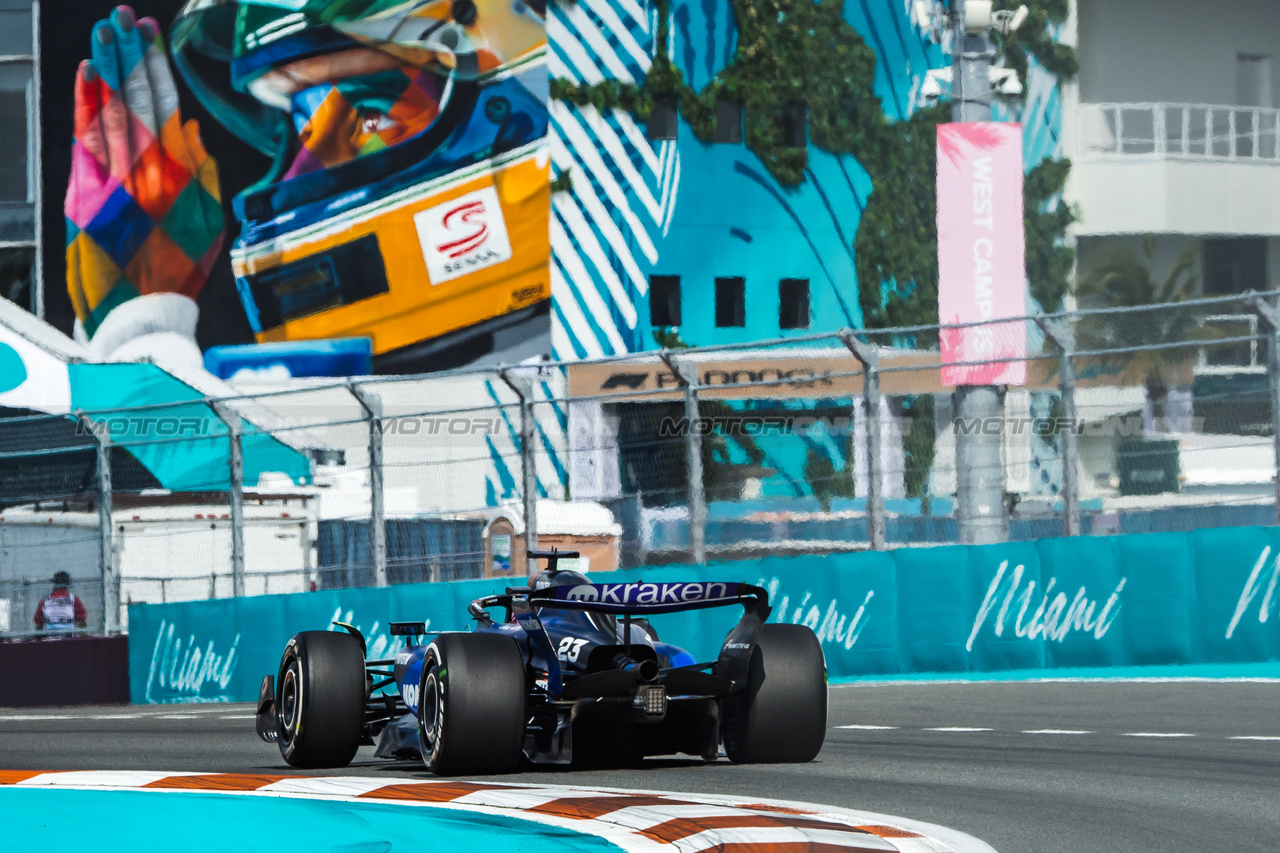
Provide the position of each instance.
(320, 697)
(471, 704)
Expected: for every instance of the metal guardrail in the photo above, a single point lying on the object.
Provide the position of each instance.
(1127, 406)
(1200, 131)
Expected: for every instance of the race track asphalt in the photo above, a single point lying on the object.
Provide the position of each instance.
(1030, 767)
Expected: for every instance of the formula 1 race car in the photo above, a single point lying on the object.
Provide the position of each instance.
(573, 673)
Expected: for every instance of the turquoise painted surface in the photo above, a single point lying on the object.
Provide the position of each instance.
(178, 438)
(1103, 604)
(129, 821)
(12, 371)
(1208, 671)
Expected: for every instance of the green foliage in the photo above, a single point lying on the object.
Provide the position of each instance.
(564, 182)
(803, 54)
(918, 445)
(668, 337)
(1049, 262)
(897, 240)
(824, 480)
(1034, 38)
(1117, 278)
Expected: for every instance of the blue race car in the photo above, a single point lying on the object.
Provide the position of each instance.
(573, 673)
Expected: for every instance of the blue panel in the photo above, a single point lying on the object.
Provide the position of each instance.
(1084, 621)
(1234, 570)
(334, 357)
(1159, 597)
(1002, 634)
(1206, 597)
(935, 616)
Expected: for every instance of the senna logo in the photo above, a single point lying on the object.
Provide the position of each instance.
(463, 235)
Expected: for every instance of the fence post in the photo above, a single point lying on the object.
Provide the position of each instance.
(235, 465)
(106, 526)
(372, 405)
(1271, 316)
(870, 362)
(523, 388)
(1061, 337)
(688, 379)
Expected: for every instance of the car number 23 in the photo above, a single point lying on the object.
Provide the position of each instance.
(569, 649)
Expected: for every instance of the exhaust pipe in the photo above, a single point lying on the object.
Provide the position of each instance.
(642, 670)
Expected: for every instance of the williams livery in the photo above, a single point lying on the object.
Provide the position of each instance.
(561, 671)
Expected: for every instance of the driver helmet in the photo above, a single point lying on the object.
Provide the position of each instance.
(400, 84)
(544, 579)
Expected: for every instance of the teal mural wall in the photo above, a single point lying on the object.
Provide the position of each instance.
(1208, 596)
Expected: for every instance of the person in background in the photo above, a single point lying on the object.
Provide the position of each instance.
(61, 611)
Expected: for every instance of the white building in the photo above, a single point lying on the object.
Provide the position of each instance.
(1174, 134)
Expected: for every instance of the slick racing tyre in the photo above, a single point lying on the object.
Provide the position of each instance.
(781, 716)
(320, 698)
(471, 704)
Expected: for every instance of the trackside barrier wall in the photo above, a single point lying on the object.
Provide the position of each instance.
(1208, 596)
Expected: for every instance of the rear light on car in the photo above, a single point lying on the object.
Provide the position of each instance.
(653, 699)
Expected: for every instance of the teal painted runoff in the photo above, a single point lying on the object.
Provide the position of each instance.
(1107, 604)
(129, 821)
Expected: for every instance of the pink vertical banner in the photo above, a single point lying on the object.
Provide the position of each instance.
(981, 263)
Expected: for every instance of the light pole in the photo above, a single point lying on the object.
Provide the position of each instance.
(980, 507)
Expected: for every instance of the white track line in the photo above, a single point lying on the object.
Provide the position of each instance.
(957, 729)
(969, 729)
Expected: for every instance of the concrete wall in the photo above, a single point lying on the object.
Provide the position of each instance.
(1172, 50)
(1149, 195)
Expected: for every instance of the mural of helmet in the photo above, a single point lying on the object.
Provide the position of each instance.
(407, 140)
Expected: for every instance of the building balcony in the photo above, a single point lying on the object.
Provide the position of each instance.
(1162, 168)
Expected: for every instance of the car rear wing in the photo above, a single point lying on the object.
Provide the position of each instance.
(638, 598)
(642, 598)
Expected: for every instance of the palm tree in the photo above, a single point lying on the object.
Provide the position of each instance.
(1117, 278)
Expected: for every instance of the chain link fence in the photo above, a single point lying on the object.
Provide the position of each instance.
(1093, 422)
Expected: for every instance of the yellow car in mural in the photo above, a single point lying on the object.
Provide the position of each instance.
(413, 206)
(409, 192)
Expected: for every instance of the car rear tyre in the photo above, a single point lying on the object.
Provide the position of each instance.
(320, 696)
(471, 704)
(781, 716)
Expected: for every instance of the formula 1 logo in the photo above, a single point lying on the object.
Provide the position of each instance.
(631, 381)
(463, 235)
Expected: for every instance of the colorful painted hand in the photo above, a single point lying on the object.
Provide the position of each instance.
(143, 207)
